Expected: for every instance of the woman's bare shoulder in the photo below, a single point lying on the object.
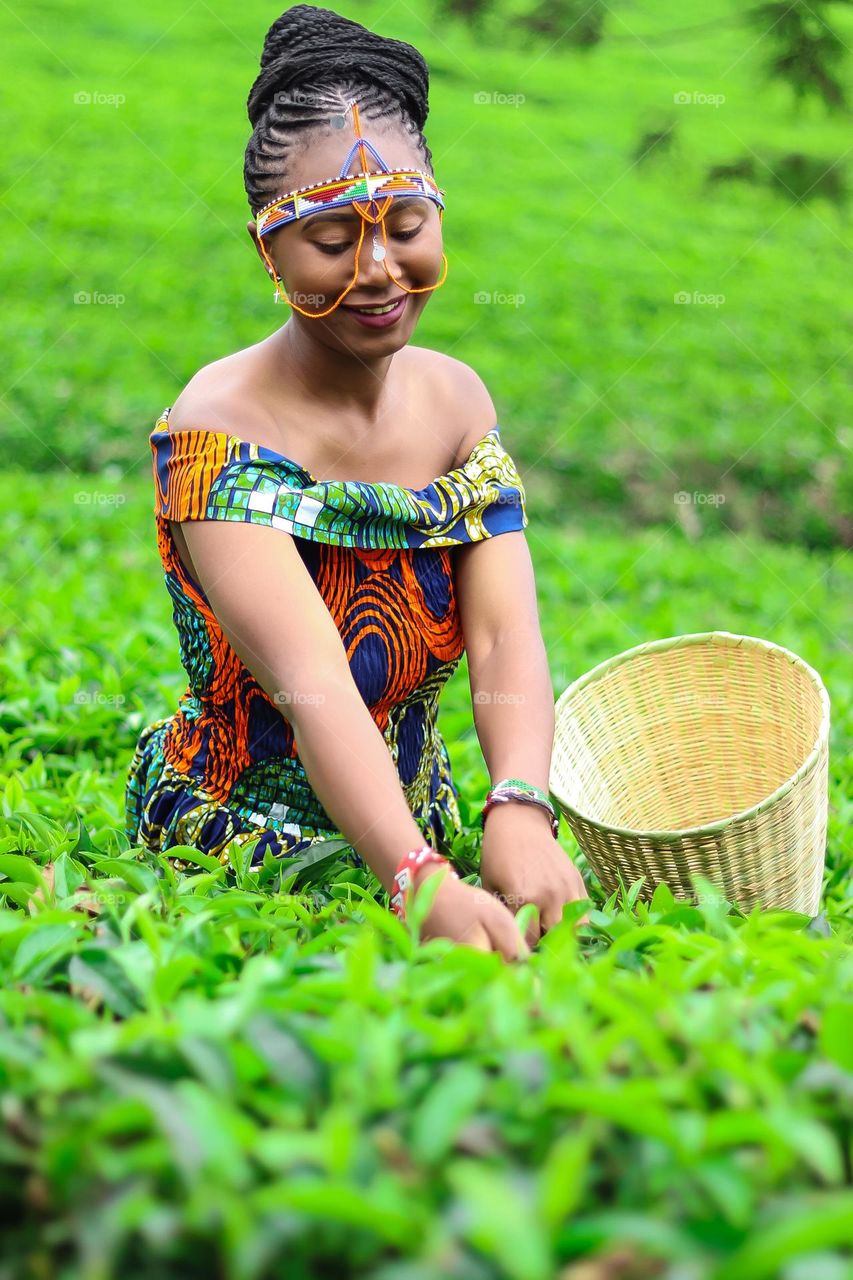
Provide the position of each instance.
(215, 399)
(463, 391)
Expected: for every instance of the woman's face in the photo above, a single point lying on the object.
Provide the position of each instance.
(315, 255)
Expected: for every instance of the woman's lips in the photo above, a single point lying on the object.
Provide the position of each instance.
(379, 321)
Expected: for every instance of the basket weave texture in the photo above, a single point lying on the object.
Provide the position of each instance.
(703, 753)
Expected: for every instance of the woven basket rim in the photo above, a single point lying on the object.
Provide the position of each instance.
(726, 639)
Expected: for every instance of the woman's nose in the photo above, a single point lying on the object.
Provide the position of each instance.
(371, 269)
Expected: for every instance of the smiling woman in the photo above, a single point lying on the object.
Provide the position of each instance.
(358, 200)
(316, 651)
(407, 218)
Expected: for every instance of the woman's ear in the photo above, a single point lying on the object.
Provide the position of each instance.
(252, 228)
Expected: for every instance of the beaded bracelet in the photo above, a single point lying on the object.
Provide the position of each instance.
(404, 876)
(527, 793)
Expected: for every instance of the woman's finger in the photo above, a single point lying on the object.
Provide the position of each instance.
(505, 934)
(552, 912)
(477, 936)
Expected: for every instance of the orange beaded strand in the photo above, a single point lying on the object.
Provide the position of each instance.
(367, 217)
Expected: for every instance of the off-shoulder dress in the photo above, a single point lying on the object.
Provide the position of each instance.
(223, 766)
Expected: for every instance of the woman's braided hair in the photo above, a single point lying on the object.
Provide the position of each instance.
(313, 63)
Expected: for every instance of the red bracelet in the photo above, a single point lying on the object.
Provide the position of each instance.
(404, 875)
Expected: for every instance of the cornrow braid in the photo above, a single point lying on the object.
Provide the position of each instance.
(314, 62)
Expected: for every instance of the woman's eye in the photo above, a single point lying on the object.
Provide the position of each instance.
(340, 248)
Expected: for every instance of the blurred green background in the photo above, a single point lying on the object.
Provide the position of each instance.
(602, 212)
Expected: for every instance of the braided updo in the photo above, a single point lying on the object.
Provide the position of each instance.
(313, 63)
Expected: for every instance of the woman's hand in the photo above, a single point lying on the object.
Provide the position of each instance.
(522, 862)
(469, 914)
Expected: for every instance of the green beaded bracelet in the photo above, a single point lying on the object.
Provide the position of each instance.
(517, 789)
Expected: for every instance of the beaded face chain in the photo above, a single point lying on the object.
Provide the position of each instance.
(353, 190)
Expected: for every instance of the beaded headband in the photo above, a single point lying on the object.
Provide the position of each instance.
(353, 190)
(333, 192)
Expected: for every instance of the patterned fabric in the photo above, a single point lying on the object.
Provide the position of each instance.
(224, 766)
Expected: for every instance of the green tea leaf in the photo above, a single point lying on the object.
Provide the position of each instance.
(67, 877)
(451, 1101)
(18, 867)
(499, 1219)
(563, 1175)
(43, 948)
(810, 1224)
(836, 1033)
(97, 972)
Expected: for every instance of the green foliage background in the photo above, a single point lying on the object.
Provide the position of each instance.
(612, 394)
(219, 1072)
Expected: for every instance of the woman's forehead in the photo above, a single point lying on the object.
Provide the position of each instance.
(323, 155)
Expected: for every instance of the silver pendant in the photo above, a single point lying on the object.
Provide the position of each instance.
(378, 252)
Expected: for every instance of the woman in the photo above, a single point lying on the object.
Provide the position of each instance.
(327, 504)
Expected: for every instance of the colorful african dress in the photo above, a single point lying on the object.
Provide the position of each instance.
(223, 766)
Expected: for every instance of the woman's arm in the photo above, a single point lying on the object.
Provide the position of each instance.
(513, 703)
(511, 688)
(277, 623)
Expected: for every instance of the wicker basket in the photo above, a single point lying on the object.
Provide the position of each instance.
(701, 753)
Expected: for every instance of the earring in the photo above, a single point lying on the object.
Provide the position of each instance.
(277, 279)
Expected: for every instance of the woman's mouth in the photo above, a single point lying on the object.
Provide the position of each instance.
(380, 316)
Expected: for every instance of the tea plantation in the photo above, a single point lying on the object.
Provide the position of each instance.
(259, 1076)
